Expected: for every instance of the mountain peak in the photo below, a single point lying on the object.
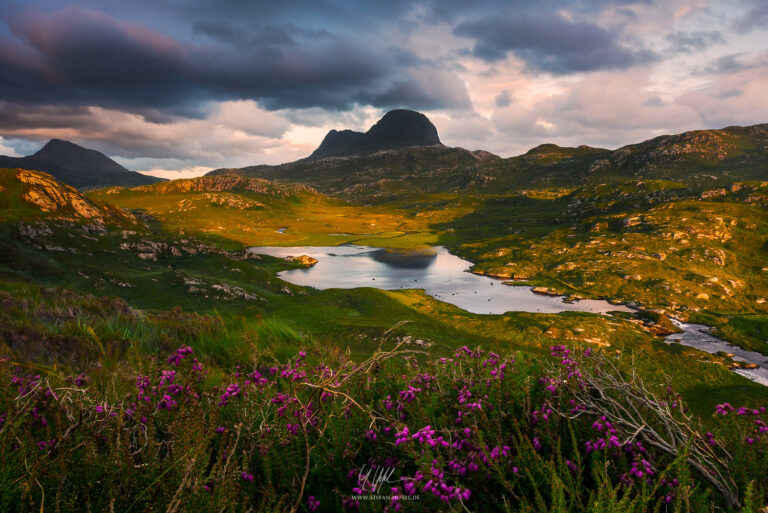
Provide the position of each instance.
(396, 129)
(58, 150)
(77, 166)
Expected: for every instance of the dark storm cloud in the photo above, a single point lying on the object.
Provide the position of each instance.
(550, 42)
(80, 56)
(20, 117)
(266, 35)
(173, 59)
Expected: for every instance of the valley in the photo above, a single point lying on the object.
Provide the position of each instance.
(639, 240)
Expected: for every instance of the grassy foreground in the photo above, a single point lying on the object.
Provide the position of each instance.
(400, 430)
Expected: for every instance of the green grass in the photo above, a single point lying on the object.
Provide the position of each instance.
(283, 218)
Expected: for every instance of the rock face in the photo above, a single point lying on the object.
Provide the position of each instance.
(397, 129)
(51, 196)
(78, 166)
(54, 197)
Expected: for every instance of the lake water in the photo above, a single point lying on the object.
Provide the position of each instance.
(444, 276)
(439, 273)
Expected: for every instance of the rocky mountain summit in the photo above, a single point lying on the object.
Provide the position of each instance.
(397, 129)
(77, 166)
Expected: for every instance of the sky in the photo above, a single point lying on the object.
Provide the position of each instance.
(174, 88)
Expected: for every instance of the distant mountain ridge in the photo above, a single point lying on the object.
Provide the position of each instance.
(397, 129)
(79, 167)
(698, 158)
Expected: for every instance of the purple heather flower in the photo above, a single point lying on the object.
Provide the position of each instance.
(723, 409)
(401, 436)
(232, 390)
(181, 353)
(410, 394)
(312, 503)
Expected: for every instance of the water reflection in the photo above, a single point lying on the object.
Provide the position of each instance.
(439, 273)
(405, 259)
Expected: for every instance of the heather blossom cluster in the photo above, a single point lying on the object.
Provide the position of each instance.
(753, 422)
(453, 432)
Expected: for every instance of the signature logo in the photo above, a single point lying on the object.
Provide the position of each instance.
(372, 479)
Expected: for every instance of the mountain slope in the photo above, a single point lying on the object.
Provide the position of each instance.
(80, 167)
(397, 129)
(384, 175)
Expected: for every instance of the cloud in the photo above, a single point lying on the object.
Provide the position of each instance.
(755, 18)
(426, 89)
(503, 99)
(81, 56)
(737, 95)
(8, 151)
(694, 41)
(735, 63)
(236, 133)
(597, 111)
(176, 172)
(551, 42)
(468, 130)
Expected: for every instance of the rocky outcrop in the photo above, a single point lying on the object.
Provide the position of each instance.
(151, 250)
(54, 197)
(224, 183)
(304, 260)
(34, 230)
(229, 200)
(224, 291)
(710, 145)
(545, 291)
